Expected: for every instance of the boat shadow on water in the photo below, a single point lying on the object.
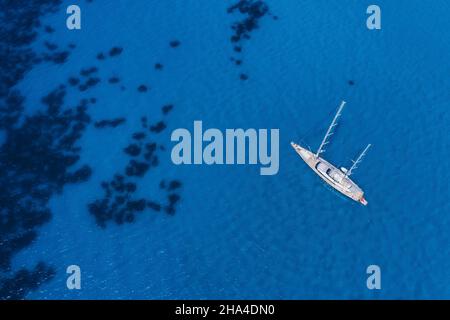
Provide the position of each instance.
(336, 193)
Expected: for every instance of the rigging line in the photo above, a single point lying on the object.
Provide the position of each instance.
(318, 126)
(330, 131)
(357, 161)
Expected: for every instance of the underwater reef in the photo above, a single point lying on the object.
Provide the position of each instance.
(37, 159)
(119, 203)
(40, 151)
(109, 123)
(24, 281)
(17, 32)
(250, 13)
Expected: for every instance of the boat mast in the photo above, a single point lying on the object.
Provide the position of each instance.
(358, 160)
(329, 131)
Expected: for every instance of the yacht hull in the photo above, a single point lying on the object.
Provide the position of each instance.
(336, 178)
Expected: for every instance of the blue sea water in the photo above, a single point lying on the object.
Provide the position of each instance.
(235, 233)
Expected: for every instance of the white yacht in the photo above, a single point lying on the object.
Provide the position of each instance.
(337, 178)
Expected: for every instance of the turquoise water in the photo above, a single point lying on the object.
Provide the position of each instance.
(235, 233)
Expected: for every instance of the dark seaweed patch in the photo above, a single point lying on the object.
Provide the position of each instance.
(174, 184)
(91, 82)
(73, 81)
(79, 175)
(144, 122)
(113, 80)
(172, 200)
(251, 11)
(142, 88)
(39, 153)
(115, 51)
(88, 71)
(109, 123)
(11, 107)
(24, 281)
(351, 82)
(167, 108)
(50, 46)
(154, 206)
(243, 76)
(119, 203)
(49, 29)
(100, 56)
(133, 150)
(36, 161)
(158, 127)
(139, 135)
(137, 168)
(57, 57)
(174, 43)
(158, 66)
